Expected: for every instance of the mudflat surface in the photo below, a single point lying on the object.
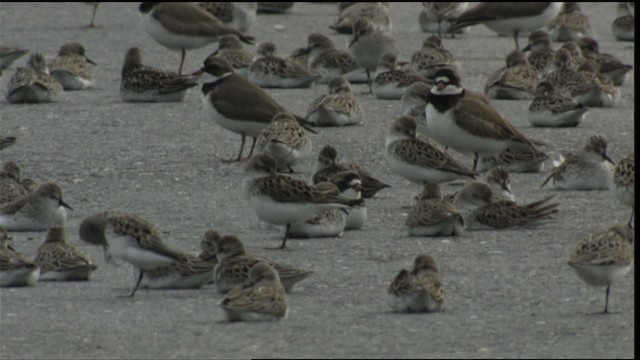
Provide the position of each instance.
(509, 293)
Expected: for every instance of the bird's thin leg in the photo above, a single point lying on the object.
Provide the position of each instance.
(286, 235)
(184, 53)
(633, 213)
(93, 16)
(253, 144)
(368, 82)
(137, 284)
(475, 161)
(606, 303)
(239, 157)
(515, 38)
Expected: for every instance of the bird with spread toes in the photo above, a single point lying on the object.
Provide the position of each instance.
(130, 238)
(235, 103)
(517, 161)
(238, 15)
(499, 180)
(431, 57)
(283, 200)
(517, 81)
(509, 18)
(610, 66)
(262, 298)
(571, 23)
(467, 124)
(417, 160)
(327, 61)
(328, 223)
(550, 108)
(328, 165)
(436, 17)
(417, 290)
(541, 51)
(391, 83)
(33, 84)
(285, 140)
(337, 108)
(230, 48)
(36, 211)
(586, 169)
(58, 260)
(184, 26)
(482, 210)
(624, 183)
(140, 83)
(15, 268)
(368, 45)
(71, 67)
(604, 257)
(235, 263)
(434, 216)
(270, 71)
(623, 26)
(376, 13)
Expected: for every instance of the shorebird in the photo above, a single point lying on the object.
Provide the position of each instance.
(184, 26)
(33, 84)
(15, 268)
(509, 18)
(130, 238)
(71, 67)
(60, 261)
(604, 257)
(467, 124)
(282, 200)
(36, 211)
(235, 103)
(368, 46)
(140, 83)
(418, 290)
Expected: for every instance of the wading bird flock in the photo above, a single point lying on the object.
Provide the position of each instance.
(439, 116)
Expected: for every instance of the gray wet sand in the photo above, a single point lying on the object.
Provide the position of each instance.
(509, 293)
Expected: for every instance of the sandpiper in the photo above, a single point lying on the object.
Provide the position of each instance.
(270, 71)
(15, 268)
(33, 84)
(235, 263)
(140, 83)
(604, 257)
(550, 108)
(419, 161)
(337, 108)
(434, 216)
(282, 200)
(571, 23)
(285, 140)
(71, 67)
(624, 183)
(368, 46)
(418, 290)
(130, 238)
(585, 170)
(60, 261)
(37, 211)
(262, 298)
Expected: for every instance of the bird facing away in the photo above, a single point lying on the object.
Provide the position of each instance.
(262, 298)
(418, 290)
(604, 257)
